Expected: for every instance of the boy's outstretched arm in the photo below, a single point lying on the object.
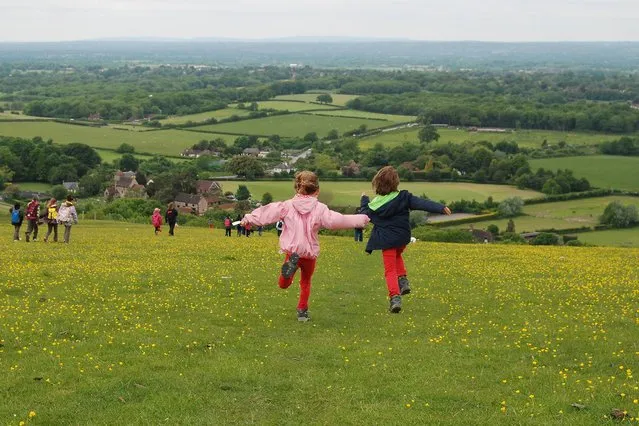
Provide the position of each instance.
(265, 215)
(417, 203)
(363, 203)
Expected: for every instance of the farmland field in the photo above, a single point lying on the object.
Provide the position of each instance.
(615, 237)
(559, 215)
(292, 125)
(202, 116)
(364, 114)
(178, 333)
(165, 142)
(603, 171)
(525, 138)
(292, 106)
(8, 116)
(348, 193)
(109, 156)
(33, 186)
(338, 99)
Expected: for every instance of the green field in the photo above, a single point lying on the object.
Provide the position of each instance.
(110, 156)
(617, 237)
(559, 215)
(8, 116)
(194, 330)
(165, 142)
(349, 193)
(33, 186)
(293, 106)
(202, 116)
(293, 125)
(364, 114)
(603, 171)
(525, 138)
(338, 99)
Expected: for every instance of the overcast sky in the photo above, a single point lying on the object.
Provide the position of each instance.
(491, 20)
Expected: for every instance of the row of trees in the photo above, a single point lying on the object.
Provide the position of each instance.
(622, 146)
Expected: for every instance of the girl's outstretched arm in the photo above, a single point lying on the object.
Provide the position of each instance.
(266, 215)
(334, 220)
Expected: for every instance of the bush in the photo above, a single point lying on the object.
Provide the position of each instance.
(424, 233)
(546, 239)
(512, 238)
(619, 216)
(511, 207)
(493, 229)
(575, 243)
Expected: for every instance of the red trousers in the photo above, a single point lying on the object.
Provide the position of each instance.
(308, 267)
(393, 268)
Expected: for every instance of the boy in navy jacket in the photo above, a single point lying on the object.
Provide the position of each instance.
(389, 213)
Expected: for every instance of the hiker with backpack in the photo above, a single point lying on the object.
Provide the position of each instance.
(51, 218)
(17, 216)
(227, 226)
(33, 214)
(68, 217)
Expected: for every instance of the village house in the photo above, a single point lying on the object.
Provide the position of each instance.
(125, 186)
(254, 152)
(195, 153)
(281, 168)
(210, 187)
(72, 187)
(263, 154)
(196, 203)
(352, 169)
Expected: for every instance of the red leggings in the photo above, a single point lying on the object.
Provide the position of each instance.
(393, 268)
(308, 267)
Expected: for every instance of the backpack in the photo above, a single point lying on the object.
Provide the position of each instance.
(15, 217)
(227, 222)
(32, 210)
(52, 213)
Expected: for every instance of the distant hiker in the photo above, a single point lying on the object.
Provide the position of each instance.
(68, 217)
(156, 220)
(359, 232)
(33, 214)
(240, 227)
(17, 216)
(227, 226)
(51, 218)
(304, 216)
(279, 226)
(171, 218)
(211, 224)
(260, 229)
(389, 212)
(247, 230)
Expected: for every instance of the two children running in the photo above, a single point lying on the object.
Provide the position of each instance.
(304, 216)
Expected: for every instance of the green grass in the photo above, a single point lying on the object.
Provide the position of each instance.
(34, 186)
(110, 156)
(604, 171)
(364, 114)
(559, 215)
(8, 116)
(293, 125)
(292, 106)
(616, 237)
(338, 99)
(165, 142)
(525, 138)
(194, 330)
(202, 116)
(349, 193)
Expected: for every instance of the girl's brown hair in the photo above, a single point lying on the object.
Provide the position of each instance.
(306, 183)
(170, 206)
(386, 180)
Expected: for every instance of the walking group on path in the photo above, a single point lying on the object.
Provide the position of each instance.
(302, 217)
(52, 214)
(170, 217)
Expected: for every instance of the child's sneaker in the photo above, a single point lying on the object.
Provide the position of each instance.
(290, 266)
(302, 315)
(395, 304)
(404, 285)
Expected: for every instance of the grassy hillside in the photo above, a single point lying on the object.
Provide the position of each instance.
(615, 238)
(338, 99)
(166, 142)
(194, 330)
(525, 138)
(348, 193)
(293, 106)
(293, 125)
(202, 116)
(365, 114)
(604, 171)
(559, 215)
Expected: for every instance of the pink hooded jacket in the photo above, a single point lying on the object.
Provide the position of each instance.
(303, 216)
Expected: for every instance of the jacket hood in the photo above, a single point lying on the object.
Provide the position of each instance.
(392, 207)
(303, 204)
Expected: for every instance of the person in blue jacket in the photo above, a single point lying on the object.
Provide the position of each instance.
(389, 213)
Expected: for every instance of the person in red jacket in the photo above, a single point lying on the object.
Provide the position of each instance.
(33, 214)
(156, 220)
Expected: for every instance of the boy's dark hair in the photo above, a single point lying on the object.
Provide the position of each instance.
(16, 206)
(386, 181)
(69, 197)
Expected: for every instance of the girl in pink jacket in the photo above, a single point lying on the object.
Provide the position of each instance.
(303, 217)
(156, 219)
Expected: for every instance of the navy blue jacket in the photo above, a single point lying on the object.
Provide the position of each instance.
(391, 221)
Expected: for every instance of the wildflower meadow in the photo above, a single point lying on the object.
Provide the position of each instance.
(123, 327)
